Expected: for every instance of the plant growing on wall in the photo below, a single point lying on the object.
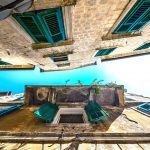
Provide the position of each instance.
(80, 83)
(96, 85)
(114, 85)
(97, 90)
(66, 82)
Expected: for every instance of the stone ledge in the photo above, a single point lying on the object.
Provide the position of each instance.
(110, 138)
(57, 54)
(129, 54)
(63, 64)
(70, 134)
(68, 68)
(68, 2)
(15, 67)
(102, 47)
(119, 36)
(36, 46)
(45, 4)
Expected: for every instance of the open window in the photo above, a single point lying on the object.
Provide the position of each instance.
(136, 18)
(43, 25)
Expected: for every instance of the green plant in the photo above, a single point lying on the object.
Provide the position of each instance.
(66, 82)
(96, 85)
(97, 90)
(95, 82)
(80, 83)
(114, 85)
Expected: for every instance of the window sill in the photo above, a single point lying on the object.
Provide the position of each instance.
(125, 55)
(36, 46)
(58, 54)
(119, 36)
(63, 64)
(17, 67)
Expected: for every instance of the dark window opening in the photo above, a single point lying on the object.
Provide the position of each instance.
(60, 58)
(71, 118)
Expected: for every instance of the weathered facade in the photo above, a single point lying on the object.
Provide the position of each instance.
(68, 95)
(88, 24)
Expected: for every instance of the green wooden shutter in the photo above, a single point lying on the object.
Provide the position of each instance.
(137, 18)
(43, 25)
(142, 23)
(4, 63)
(144, 46)
(104, 52)
(52, 21)
(30, 23)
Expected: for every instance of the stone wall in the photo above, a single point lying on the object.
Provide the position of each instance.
(45, 4)
(91, 20)
(36, 95)
(110, 96)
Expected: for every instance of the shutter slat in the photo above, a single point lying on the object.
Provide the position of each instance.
(138, 26)
(52, 23)
(138, 13)
(147, 18)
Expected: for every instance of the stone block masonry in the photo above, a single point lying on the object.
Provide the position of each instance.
(91, 20)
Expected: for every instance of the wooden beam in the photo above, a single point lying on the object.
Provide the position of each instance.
(111, 138)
